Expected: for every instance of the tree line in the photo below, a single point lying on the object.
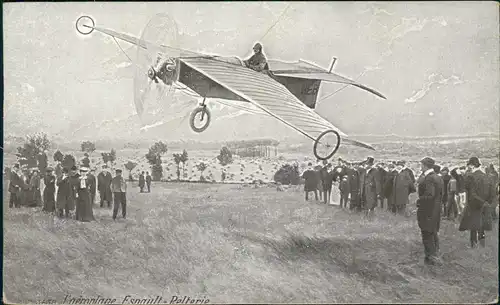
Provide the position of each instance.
(33, 154)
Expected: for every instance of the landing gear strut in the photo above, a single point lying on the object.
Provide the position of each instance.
(200, 118)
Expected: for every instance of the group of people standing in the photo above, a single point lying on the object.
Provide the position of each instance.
(479, 209)
(465, 192)
(145, 181)
(363, 185)
(68, 190)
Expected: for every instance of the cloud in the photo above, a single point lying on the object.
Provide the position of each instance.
(433, 80)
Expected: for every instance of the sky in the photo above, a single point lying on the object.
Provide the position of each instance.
(436, 62)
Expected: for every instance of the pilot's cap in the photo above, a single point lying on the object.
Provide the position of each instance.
(257, 46)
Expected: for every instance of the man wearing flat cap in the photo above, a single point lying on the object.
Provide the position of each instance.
(429, 209)
(119, 189)
(49, 201)
(480, 195)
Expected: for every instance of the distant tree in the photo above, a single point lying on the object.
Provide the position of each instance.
(68, 161)
(130, 165)
(201, 167)
(288, 174)
(34, 145)
(58, 156)
(109, 157)
(88, 147)
(112, 156)
(225, 156)
(178, 160)
(156, 151)
(105, 157)
(184, 159)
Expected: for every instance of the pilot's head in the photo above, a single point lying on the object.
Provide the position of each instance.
(257, 48)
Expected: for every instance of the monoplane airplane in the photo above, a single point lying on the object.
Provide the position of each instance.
(287, 91)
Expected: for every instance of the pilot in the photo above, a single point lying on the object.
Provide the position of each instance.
(258, 61)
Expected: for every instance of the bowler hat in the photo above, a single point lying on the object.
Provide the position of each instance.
(400, 163)
(474, 161)
(427, 161)
(118, 171)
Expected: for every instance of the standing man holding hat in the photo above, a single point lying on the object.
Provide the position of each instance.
(480, 195)
(119, 189)
(429, 209)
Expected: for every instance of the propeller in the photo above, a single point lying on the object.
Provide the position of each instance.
(155, 68)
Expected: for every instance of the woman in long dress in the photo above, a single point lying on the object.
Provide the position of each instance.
(49, 203)
(84, 211)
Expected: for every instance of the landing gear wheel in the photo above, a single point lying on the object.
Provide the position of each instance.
(324, 143)
(200, 115)
(85, 25)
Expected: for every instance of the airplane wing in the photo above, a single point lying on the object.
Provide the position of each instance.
(268, 95)
(171, 51)
(306, 70)
(330, 77)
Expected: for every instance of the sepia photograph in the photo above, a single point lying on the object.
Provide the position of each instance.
(251, 152)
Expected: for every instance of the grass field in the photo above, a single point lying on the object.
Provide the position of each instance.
(231, 243)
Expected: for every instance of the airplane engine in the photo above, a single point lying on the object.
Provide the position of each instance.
(166, 70)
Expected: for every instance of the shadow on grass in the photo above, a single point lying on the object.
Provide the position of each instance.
(336, 255)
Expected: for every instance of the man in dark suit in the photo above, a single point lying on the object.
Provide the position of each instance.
(327, 182)
(480, 195)
(388, 187)
(310, 183)
(148, 181)
(445, 175)
(104, 186)
(371, 188)
(437, 170)
(92, 186)
(402, 187)
(429, 209)
(353, 177)
(15, 187)
(142, 181)
(409, 171)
